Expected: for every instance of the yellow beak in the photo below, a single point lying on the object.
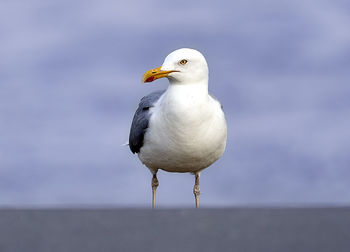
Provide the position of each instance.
(154, 74)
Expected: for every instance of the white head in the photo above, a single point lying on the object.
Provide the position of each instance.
(182, 66)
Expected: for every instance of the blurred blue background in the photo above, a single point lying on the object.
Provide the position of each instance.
(70, 81)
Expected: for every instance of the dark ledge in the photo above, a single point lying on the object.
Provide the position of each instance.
(234, 229)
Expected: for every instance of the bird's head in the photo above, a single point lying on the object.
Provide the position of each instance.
(182, 66)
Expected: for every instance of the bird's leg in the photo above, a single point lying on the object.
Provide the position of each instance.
(155, 184)
(196, 189)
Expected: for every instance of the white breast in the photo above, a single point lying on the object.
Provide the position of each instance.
(187, 131)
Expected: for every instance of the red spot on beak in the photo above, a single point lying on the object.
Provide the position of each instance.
(149, 79)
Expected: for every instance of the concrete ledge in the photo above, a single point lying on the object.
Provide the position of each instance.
(237, 229)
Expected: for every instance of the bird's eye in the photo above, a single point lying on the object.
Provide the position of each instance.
(183, 62)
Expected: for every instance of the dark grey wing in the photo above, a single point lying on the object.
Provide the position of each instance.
(140, 122)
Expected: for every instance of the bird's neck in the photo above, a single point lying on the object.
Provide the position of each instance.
(182, 91)
(182, 98)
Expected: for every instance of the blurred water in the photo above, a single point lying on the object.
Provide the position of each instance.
(70, 76)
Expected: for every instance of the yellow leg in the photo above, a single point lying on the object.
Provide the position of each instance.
(196, 189)
(155, 184)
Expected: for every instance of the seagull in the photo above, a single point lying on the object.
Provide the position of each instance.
(183, 128)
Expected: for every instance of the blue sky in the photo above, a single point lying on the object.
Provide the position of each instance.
(70, 74)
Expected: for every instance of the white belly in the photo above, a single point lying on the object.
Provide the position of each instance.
(184, 137)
